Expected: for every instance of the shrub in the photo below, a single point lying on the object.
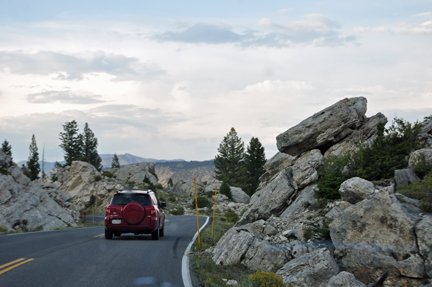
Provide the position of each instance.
(84, 158)
(202, 202)
(262, 279)
(226, 190)
(231, 216)
(421, 190)
(319, 204)
(172, 198)
(324, 231)
(178, 211)
(107, 174)
(3, 171)
(158, 186)
(91, 201)
(375, 161)
(3, 229)
(97, 177)
(308, 233)
(421, 167)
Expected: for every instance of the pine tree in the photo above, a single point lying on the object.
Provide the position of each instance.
(229, 163)
(170, 183)
(72, 142)
(33, 161)
(7, 149)
(43, 164)
(115, 162)
(89, 148)
(226, 190)
(254, 162)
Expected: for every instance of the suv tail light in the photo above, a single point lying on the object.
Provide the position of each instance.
(152, 210)
(111, 210)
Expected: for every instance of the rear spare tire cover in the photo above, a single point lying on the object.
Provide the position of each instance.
(133, 213)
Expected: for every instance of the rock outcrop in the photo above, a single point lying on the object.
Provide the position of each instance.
(324, 128)
(81, 180)
(348, 242)
(30, 205)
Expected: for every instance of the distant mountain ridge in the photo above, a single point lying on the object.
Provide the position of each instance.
(176, 169)
(127, 158)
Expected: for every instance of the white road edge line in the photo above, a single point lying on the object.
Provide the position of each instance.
(185, 261)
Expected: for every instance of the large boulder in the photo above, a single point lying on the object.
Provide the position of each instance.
(137, 172)
(274, 198)
(239, 195)
(356, 189)
(212, 184)
(344, 279)
(305, 168)
(28, 205)
(423, 231)
(405, 176)
(232, 246)
(273, 166)
(188, 187)
(419, 156)
(305, 197)
(377, 234)
(245, 245)
(78, 177)
(81, 180)
(324, 128)
(312, 269)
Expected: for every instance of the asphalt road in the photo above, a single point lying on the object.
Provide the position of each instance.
(83, 257)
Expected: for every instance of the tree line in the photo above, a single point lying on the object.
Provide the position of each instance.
(236, 167)
(76, 146)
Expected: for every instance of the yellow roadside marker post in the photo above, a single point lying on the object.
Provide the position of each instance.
(196, 205)
(214, 208)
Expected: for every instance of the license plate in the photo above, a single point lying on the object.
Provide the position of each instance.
(116, 221)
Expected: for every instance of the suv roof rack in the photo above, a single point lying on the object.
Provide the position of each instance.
(124, 190)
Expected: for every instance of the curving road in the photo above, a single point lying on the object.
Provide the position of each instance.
(82, 257)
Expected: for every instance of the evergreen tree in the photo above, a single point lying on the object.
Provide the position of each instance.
(254, 162)
(229, 162)
(226, 190)
(7, 149)
(170, 183)
(33, 161)
(72, 142)
(89, 148)
(115, 162)
(43, 164)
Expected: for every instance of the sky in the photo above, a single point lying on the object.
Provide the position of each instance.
(169, 79)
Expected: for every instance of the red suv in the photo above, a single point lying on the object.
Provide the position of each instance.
(135, 211)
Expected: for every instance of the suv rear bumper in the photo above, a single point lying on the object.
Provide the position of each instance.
(129, 228)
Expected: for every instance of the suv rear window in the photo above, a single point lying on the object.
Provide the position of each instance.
(125, 198)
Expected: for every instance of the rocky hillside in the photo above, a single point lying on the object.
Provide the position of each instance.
(372, 228)
(127, 158)
(81, 181)
(186, 171)
(30, 205)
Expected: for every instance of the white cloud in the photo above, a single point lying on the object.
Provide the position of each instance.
(75, 66)
(285, 10)
(425, 15)
(314, 29)
(64, 97)
(424, 28)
